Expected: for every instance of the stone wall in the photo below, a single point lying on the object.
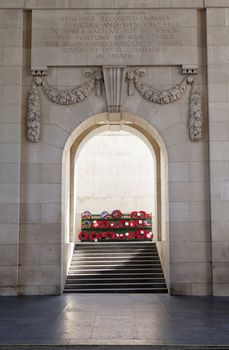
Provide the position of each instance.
(188, 232)
(11, 33)
(31, 243)
(218, 80)
(188, 181)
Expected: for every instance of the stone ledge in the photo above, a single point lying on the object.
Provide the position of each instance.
(44, 4)
(14, 4)
(216, 3)
(107, 4)
(134, 345)
(110, 4)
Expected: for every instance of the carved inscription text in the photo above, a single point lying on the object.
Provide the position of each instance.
(112, 36)
(115, 35)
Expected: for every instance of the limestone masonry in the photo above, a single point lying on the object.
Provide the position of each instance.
(72, 68)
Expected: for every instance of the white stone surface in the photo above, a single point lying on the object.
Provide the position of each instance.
(224, 191)
(35, 275)
(10, 138)
(115, 170)
(39, 153)
(218, 111)
(8, 254)
(88, 4)
(219, 3)
(50, 254)
(12, 56)
(9, 234)
(76, 38)
(11, 94)
(50, 213)
(40, 193)
(178, 171)
(219, 158)
(40, 234)
(34, 171)
(179, 211)
(30, 213)
(8, 276)
(51, 173)
(12, 4)
(33, 4)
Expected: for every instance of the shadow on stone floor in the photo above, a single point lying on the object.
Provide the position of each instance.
(118, 319)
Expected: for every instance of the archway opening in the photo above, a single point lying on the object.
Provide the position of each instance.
(78, 138)
(115, 169)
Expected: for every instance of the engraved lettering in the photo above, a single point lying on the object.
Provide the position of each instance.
(107, 37)
(108, 33)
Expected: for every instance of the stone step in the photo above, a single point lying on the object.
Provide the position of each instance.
(115, 256)
(117, 267)
(114, 253)
(117, 260)
(114, 274)
(94, 245)
(179, 346)
(114, 280)
(115, 248)
(120, 250)
(142, 289)
(120, 271)
(111, 285)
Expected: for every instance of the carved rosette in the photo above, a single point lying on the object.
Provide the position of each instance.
(134, 80)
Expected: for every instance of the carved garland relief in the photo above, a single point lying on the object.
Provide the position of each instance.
(56, 95)
(171, 95)
(69, 96)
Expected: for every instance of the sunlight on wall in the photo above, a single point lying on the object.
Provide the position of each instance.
(115, 170)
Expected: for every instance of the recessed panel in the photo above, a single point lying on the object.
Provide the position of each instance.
(114, 37)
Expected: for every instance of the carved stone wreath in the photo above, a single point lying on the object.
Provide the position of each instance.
(66, 96)
(69, 96)
(72, 95)
(134, 80)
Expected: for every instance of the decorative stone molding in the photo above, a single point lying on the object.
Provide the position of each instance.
(189, 69)
(113, 78)
(114, 117)
(56, 95)
(159, 96)
(152, 94)
(113, 81)
(195, 114)
(33, 107)
(69, 96)
(98, 76)
(33, 116)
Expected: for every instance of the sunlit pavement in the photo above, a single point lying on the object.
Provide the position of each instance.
(114, 319)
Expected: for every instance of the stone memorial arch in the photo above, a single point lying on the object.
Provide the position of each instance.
(92, 126)
(67, 71)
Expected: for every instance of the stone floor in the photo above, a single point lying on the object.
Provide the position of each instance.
(114, 319)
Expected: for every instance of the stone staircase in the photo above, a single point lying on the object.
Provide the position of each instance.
(115, 267)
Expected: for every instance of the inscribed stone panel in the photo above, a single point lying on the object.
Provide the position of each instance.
(108, 37)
